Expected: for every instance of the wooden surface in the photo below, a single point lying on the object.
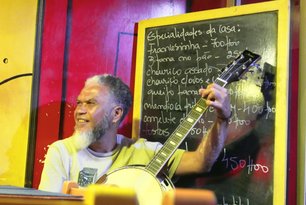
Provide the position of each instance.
(17, 195)
(41, 200)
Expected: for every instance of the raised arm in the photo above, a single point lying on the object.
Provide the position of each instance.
(203, 158)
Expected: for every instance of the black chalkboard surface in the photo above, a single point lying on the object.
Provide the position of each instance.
(178, 59)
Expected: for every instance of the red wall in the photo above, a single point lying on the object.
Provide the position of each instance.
(50, 89)
(82, 38)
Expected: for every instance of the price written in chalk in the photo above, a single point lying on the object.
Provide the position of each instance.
(236, 163)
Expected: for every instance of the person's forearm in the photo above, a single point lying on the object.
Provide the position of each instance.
(211, 145)
(203, 158)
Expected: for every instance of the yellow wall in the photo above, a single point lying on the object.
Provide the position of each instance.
(302, 110)
(17, 41)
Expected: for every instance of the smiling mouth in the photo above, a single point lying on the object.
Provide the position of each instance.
(82, 120)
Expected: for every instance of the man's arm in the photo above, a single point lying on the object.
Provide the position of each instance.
(203, 158)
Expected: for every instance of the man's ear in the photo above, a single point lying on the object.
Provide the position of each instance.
(117, 114)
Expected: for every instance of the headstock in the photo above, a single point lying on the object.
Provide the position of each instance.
(236, 69)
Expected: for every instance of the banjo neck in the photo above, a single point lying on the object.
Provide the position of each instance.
(176, 138)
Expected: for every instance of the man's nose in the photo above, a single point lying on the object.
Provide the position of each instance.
(81, 108)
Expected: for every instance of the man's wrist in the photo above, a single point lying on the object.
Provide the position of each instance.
(224, 118)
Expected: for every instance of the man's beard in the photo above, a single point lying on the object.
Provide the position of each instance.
(83, 139)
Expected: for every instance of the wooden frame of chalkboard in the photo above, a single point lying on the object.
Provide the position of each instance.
(172, 52)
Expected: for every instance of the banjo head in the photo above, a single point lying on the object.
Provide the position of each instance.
(149, 189)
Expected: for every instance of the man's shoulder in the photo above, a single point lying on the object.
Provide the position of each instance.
(62, 142)
(63, 145)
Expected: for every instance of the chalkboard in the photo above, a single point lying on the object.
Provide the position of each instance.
(177, 59)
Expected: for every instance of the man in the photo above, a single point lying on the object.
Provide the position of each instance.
(95, 148)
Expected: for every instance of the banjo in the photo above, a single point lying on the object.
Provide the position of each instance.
(148, 181)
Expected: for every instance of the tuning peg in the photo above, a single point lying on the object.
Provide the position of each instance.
(258, 85)
(256, 65)
(244, 77)
(251, 71)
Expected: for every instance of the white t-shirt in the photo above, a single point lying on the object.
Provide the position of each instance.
(65, 162)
